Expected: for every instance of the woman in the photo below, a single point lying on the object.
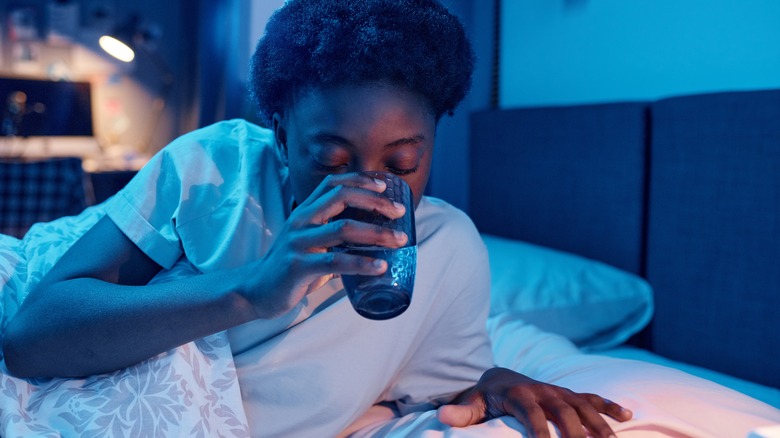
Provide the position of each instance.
(345, 86)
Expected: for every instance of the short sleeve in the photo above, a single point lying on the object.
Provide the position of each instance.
(190, 178)
(213, 196)
(145, 210)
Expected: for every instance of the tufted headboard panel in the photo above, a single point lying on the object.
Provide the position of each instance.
(714, 232)
(684, 191)
(571, 178)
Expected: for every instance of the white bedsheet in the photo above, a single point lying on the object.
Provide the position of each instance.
(766, 394)
(666, 402)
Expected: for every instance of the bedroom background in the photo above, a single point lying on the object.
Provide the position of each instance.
(530, 54)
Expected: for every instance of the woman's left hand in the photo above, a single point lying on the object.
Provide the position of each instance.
(504, 392)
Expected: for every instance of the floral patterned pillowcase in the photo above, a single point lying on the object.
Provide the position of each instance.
(191, 390)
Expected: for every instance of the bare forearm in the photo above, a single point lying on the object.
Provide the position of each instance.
(85, 326)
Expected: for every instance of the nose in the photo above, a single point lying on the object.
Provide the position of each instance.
(365, 166)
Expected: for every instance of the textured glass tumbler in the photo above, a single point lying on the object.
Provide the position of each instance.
(388, 295)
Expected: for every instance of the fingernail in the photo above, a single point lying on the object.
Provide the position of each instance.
(399, 235)
(380, 182)
(398, 206)
(378, 263)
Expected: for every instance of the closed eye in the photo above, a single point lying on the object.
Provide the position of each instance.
(402, 172)
(330, 169)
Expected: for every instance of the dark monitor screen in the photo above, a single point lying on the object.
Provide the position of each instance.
(31, 107)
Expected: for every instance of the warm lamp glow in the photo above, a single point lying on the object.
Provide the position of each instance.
(116, 48)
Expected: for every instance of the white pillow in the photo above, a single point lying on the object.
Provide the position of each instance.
(595, 305)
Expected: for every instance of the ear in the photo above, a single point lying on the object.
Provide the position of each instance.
(280, 134)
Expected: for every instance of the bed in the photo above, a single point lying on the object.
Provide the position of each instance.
(684, 192)
(621, 236)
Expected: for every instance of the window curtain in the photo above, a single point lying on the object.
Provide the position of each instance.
(222, 62)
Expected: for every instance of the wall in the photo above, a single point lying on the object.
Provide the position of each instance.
(259, 13)
(566, 51)
(450, 169)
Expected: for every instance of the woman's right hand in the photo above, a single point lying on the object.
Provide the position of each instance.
(299, 262)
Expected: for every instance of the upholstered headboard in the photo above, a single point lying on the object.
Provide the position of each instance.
(683, 191)
(714, 231)
(571, 178)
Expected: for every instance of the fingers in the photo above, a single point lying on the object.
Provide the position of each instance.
(591, 406)
(608, 407)
(531, 415)
(575, 413)
(318, 283)
(358, 190)
(341, 263)
(575, 416)
(569, 420)
(571, 412)
(309, 258)
(316, 229)
(347, 230)
(337, 199)
(533, 403)
(356, 180)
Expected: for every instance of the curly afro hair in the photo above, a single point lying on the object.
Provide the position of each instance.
(415, 44)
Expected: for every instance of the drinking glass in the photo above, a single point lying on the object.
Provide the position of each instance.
(387, 295)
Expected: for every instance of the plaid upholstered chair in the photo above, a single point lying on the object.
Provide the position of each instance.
(39, 191)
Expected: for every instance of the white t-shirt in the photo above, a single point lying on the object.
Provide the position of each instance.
(218, 197)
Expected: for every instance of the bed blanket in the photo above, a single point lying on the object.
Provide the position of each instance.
(191, 390)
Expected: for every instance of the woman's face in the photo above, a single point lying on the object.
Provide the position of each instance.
(356, 128)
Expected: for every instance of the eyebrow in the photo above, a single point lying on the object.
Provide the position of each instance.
(327, 137)
(406, 141)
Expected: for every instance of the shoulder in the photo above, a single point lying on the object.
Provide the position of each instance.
(222, 143)
(228, 129)
(222, 157)
(442, 225)
(434, 215)
(202, 170)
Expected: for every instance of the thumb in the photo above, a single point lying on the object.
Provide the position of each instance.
(318, 283)
(461, 415)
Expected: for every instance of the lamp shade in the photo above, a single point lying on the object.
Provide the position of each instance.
(116, 48)
(125, 39)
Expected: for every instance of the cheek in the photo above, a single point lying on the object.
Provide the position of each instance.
(303, 182)
(417, 183)
(417, 192)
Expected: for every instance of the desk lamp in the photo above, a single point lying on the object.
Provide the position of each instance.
(134, 36)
